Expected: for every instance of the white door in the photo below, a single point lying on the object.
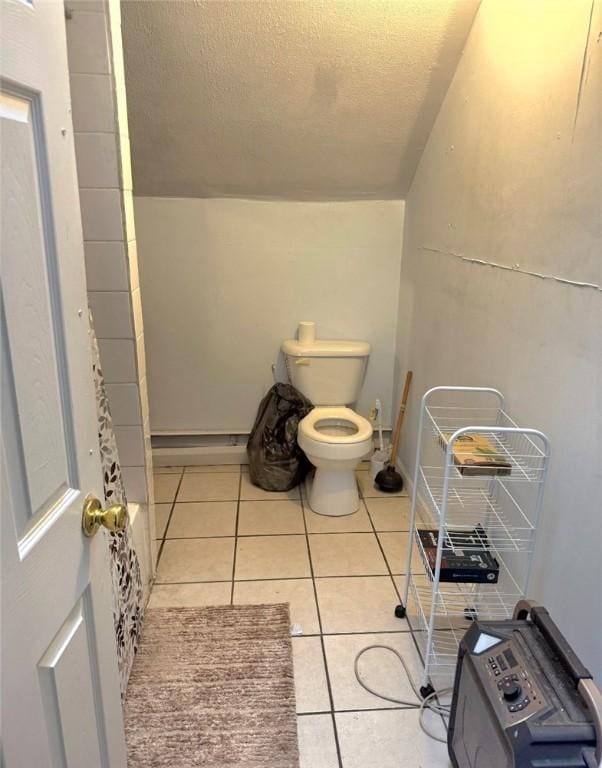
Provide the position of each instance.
(60, 689)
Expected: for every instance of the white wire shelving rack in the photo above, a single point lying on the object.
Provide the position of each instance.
(506, 508)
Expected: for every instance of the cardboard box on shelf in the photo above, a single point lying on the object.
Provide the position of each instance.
(476, 454)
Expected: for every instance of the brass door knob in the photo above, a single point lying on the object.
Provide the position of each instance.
(114, 518)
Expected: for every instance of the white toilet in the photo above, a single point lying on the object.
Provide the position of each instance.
(333, 437)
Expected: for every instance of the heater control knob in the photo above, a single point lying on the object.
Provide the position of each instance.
(511, 690)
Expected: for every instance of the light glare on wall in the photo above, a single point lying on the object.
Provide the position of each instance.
(529, 43)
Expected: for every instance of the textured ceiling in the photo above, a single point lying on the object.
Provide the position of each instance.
(293, 99)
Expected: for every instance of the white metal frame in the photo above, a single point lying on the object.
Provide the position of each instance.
(450, 501)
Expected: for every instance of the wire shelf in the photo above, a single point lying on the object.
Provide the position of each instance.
(473, 507)
(518, 448)
(457, 605)
(440, 653)
(492, 506)
(499, 595)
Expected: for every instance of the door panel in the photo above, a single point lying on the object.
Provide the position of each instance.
(33, 324)
(61, 704)
(69, 694)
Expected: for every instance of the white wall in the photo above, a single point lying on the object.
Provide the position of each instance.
(225, 280)
(511, 174)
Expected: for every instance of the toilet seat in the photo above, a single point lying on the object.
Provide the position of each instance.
(334, 439)
(344, 418)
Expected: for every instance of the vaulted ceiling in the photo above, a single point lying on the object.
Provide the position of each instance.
(291, 99)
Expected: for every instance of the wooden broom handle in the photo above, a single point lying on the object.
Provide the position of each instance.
(402, 410)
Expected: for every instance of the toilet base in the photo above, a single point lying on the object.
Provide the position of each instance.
(334, 492)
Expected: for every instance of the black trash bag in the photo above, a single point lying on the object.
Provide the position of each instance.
(276, 463)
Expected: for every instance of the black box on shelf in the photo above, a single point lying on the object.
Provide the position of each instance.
(465, 556)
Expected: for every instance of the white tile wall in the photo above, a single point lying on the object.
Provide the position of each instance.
(141, 355)
(134, 479)
(115, 13)
(118, 359)
(140, 535)
(86, 5)
(106, 266)
(92, 102)
(120, 98)
(137, 309)
(147, 444)
(132, 250)
(87, 42)
(124, 401)
(105, 180)
(126, 162)
(101, 214)
(144, 401)
(128, 207)
(130, 443)
(97, 164)
(112, 313)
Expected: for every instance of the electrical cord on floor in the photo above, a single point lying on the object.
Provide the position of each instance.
(427, 703)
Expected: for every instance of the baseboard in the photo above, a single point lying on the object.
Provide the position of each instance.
(177, 450)
(200, 455)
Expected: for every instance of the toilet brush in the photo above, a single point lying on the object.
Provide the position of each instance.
(379, 458)
(388, 479)
(379, 410)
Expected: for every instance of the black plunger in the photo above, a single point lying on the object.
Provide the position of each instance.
(388, 479)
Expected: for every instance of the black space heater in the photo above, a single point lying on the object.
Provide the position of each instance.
(522, 698)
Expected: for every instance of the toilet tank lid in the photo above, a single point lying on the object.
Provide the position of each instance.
(326, 348)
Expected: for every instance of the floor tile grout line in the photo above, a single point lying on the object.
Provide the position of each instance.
(324, 659)
(284, 533)
(356, 711)
(280, 578)
(380, 546)
(173, 504)
(206, 501)
(235, 538)
(369, 632)
(214, 472)
(363, 501)
(214, 501)
(203, 501)
(397, 592)
(351, 633)
(277, 533)
(171, 509)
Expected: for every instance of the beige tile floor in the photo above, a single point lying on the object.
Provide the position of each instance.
(224, 541)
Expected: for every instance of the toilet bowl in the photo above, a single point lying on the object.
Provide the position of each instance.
(334, 440)
(330, 372)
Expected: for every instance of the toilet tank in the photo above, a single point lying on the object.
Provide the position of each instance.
(328, 372)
